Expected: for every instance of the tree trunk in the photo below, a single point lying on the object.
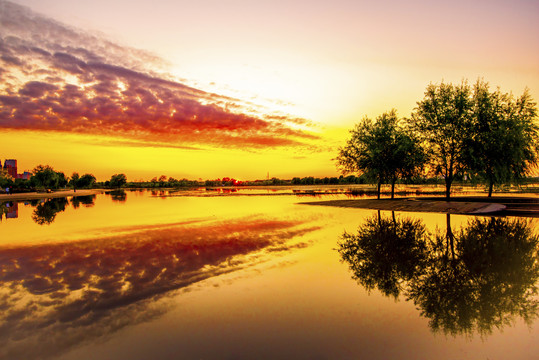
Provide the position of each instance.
(490, 186)
(379, 186)
(393, 188)
(449, 178)
(448, 188)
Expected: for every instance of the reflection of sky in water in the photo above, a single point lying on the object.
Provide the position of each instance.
(139, 276)
(68, 291)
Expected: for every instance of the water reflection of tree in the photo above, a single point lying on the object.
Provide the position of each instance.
(488, 283)
(86, 200)
(45, 213)
(4, 208)
(478, 278)
(118, 195)
(385, 252)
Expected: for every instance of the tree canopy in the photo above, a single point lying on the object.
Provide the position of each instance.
(503, 137)
(442, 119)
(382, 150)
(455, 131)
(86, 181)
(118, 180)
(5, 179)
(44, 176)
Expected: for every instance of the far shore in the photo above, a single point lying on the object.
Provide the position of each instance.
(44, 195)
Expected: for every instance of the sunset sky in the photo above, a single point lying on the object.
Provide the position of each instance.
(208, 89)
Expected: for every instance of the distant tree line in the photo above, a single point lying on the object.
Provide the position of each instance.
(456, 131)
(44, 177)
(164, 182)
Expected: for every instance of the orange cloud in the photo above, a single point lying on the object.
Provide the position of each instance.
(57, 79)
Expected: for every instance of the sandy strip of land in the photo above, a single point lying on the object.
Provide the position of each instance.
(43, 195)
(416, 205)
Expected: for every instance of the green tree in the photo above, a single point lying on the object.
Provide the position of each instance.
(524, 152)
(118, 180)
(62, 179)
(5, 179)
(44, 176)
(74, 181)
(162, 181)
(442, 118)
(86, 181)
(382, 151)
(504, 136)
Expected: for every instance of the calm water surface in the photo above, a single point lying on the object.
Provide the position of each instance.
(142, 275)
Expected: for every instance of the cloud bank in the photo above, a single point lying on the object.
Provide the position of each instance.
(55, 78)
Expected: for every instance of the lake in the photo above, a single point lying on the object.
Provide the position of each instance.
(255, 274)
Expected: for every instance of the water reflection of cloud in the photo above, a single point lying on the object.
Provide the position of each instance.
(55, 296)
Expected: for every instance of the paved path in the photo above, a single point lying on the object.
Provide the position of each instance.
(56, 194)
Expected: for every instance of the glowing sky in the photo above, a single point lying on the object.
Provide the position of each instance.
(236, 88)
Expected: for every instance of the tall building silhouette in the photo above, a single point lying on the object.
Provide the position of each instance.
(10, 165)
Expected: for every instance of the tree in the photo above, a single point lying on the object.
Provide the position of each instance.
(86, 181)
(45, 177)
(504, 137)
(118, 180)
(442, 118)
(383, 151)
(524, 152)
(62, 179)
(5, 179)
(74, 181)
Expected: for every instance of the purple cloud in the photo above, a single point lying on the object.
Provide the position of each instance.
(77, 83)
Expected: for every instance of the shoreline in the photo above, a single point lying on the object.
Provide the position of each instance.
(502, 206)
(56, 194)
(465, 205)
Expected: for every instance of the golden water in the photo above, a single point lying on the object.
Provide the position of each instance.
(192, 276)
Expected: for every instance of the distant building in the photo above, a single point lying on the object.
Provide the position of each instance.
(25, 175)
(10, 165)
